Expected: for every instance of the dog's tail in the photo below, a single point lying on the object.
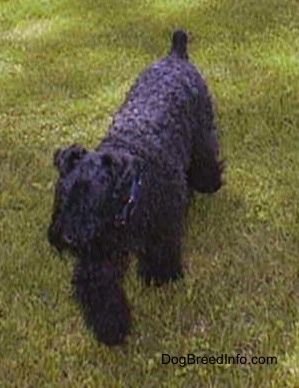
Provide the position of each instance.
(179, 44)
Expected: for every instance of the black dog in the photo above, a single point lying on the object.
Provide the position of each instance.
(131, 193)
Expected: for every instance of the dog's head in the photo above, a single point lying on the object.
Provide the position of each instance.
(95, 193)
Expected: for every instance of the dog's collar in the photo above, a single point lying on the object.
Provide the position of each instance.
(123, 217)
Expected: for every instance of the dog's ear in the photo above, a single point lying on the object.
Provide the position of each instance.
(65, 159)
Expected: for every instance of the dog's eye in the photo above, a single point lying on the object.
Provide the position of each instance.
(116, 195)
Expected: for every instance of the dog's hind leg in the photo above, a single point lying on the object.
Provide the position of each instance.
(205, 170)
(204, 174)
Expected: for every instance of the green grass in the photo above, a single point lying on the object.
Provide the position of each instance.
(65, 66)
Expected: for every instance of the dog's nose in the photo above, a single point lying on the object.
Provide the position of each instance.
(68, 238)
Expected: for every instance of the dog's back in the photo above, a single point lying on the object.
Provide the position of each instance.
(167, 105)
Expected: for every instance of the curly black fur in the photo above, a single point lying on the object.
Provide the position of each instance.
(130, 194)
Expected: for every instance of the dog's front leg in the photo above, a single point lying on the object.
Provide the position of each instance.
(98, 290)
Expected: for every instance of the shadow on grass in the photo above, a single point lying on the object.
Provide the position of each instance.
(229, 20)
(122, 35)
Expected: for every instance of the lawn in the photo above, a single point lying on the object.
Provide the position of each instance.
(65, 66)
